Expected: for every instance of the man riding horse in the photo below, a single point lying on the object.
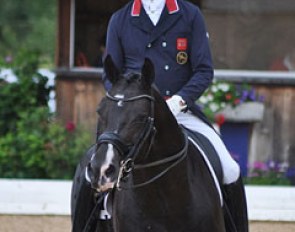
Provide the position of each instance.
(172, 34)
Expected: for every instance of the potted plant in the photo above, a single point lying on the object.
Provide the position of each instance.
(225, 101)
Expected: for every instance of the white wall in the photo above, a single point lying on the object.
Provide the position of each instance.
(45, 197)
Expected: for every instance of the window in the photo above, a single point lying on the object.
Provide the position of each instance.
(252, 35)
(90, 20)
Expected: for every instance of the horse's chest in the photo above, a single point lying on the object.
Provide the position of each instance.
(166, 217)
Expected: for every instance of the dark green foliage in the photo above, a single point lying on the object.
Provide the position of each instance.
(41, 148)
(30, 24)
(27, 92)
(33, 143)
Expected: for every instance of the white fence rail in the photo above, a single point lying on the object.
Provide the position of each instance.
(45, 197)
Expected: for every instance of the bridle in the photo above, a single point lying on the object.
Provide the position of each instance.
(130, 152)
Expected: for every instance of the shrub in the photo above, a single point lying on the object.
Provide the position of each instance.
(27, 92)
(40, 148)
(33, 143)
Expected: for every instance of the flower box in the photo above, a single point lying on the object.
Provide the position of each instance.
(245, 112)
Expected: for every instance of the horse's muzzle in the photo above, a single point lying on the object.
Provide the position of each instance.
(104, 181)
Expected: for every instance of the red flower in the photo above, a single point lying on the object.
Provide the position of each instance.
(219, 119)
(70, 126)
(228, 96)
(237, 101)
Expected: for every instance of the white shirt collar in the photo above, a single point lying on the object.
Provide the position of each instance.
(153, 8)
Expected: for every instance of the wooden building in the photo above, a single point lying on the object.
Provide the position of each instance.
(244, 35)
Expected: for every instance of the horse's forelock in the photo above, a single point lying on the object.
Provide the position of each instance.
(130, 77)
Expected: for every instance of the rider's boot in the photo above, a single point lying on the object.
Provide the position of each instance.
(236, 215)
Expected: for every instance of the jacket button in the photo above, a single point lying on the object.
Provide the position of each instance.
(164, 44)
(149, 45)
(166, 67)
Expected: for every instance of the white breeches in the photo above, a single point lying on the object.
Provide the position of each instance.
(231, 170)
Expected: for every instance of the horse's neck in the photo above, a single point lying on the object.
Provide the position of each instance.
(169, 137)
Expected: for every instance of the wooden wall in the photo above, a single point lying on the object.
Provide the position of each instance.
(78, 99)
(78, 93)
(274, 137)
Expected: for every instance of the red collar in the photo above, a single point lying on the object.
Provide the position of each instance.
(172, 6)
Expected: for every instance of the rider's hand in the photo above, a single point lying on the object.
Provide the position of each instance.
(176, 104)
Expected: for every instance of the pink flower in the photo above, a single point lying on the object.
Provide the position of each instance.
(70, 126)
(258, 165)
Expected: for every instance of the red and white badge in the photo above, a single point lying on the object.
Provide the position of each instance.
(182, 56)
(181, 44)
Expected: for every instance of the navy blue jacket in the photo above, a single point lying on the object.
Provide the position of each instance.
(132, 37)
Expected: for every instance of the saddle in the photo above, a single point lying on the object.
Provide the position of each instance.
(206, 148)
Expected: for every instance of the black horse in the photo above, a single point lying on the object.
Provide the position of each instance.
(156, 179)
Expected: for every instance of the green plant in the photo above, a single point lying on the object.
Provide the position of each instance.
(41, 148)
(221, 94)
(269, 173)
(28, 91)
(25, 23)
(33, 143)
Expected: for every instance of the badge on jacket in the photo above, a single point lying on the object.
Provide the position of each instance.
(181, 45)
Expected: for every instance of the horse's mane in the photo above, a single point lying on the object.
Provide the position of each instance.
(135, 76)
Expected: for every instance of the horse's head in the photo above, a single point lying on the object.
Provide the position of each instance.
(125, 124)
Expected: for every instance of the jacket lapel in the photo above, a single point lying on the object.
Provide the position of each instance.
(166, 21)
(141, 20)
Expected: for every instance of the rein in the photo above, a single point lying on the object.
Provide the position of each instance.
(177, 158)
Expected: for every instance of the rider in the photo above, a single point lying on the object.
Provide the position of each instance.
(172, 34)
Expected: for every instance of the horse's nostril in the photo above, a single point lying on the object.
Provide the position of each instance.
(110, 171)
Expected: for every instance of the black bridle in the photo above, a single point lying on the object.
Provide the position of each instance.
(130, 152)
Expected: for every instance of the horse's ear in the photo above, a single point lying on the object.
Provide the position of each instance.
(148, 71)
(112, 72)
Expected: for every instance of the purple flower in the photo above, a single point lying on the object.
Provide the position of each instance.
(8, 59)
(261, 98)
(252, 95)
(244, 95)
(273, 165)
(258, 165)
